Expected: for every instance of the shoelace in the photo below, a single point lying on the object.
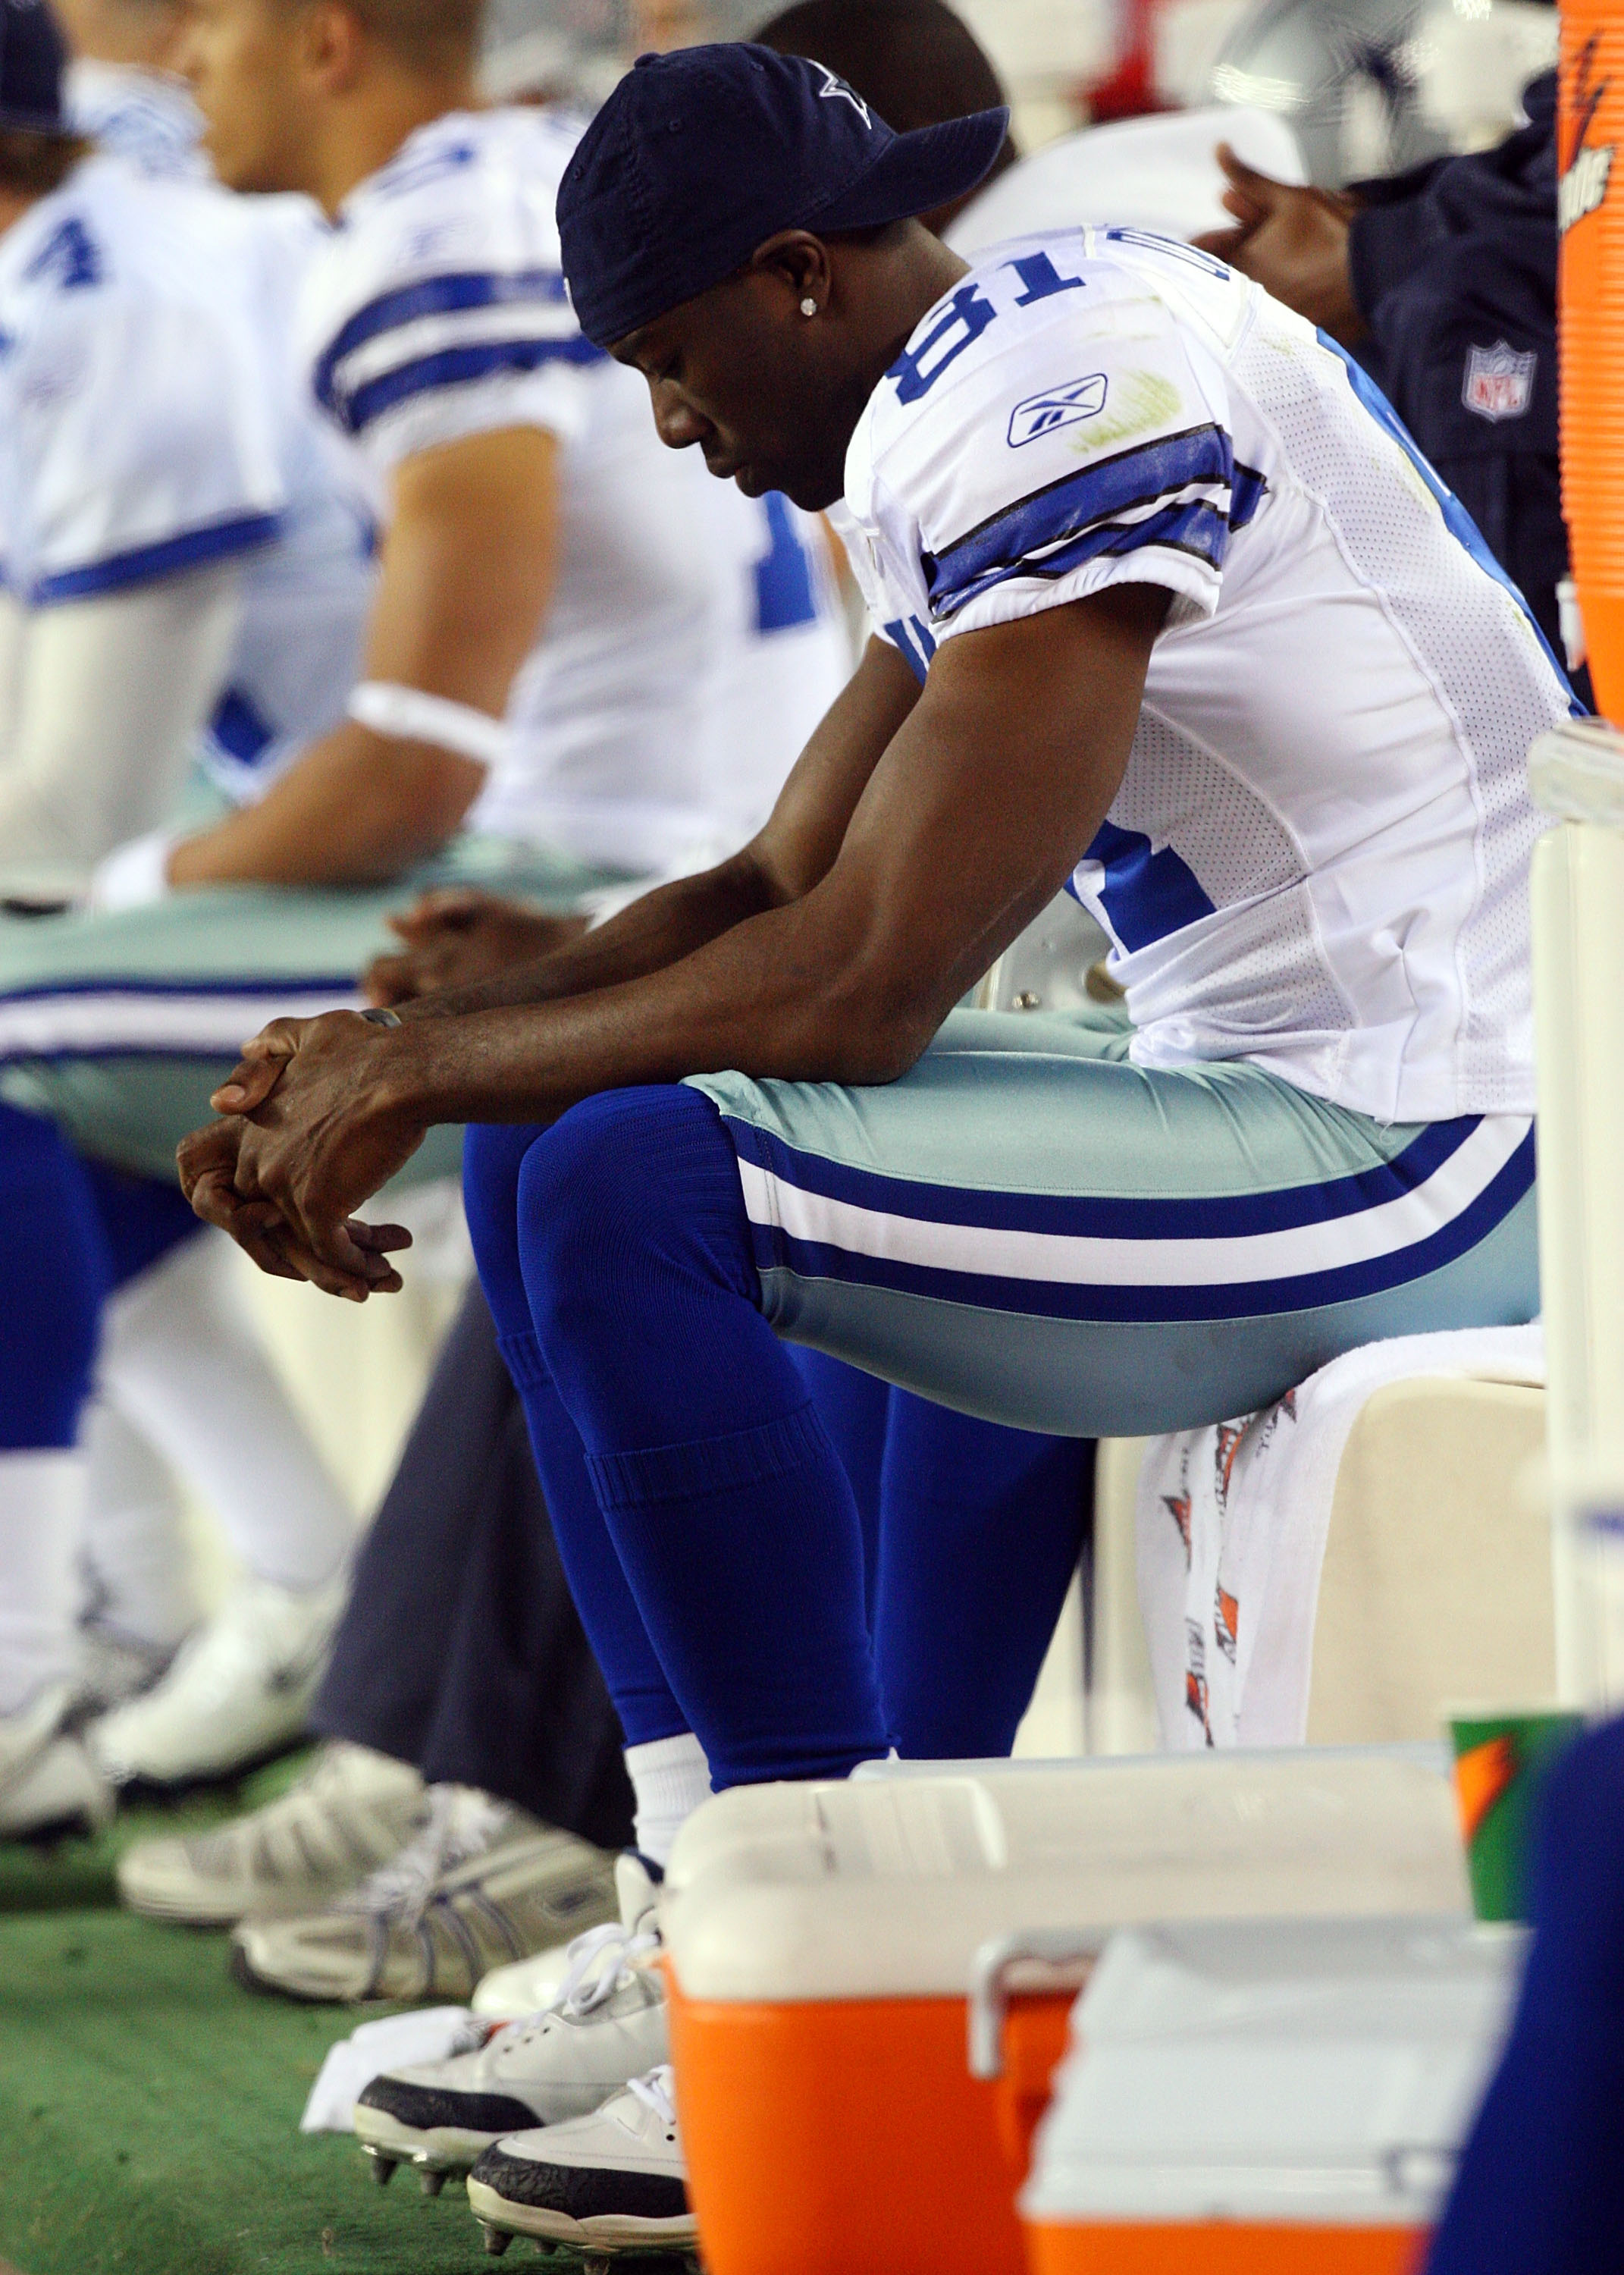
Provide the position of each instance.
(401, 1889)
(654, 2092)
(607, 1954)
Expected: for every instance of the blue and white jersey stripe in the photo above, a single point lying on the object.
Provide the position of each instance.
(446, 331)
(1182, 491)
(440, 307)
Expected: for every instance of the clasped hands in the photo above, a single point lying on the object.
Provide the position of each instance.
(315, 1117)
(316, 1114)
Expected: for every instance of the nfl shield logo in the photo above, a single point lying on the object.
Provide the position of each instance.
(1499, 383)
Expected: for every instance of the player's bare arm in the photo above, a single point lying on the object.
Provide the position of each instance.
(985, 799)
(360, 807)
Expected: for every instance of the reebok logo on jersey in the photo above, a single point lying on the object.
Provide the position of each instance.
(1057, 406)
(1498, 382)
(835, 90)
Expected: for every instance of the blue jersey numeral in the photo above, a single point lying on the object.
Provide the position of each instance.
(1040, 280)
(785, 593)
(70, 256)
(964, 319)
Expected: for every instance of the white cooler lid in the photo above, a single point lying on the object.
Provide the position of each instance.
(1302, 2070)
(886, 1887)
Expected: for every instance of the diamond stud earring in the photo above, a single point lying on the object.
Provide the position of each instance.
(809, 306)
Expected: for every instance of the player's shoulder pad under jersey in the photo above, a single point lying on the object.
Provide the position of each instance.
(444, 272)
(1059, 415)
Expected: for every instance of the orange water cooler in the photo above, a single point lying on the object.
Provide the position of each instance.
(821, 1941)
(1279, 2097)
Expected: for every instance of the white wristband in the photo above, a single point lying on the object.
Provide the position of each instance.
(133, 875)
(406, 715)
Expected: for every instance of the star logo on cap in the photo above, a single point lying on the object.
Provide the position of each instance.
(835, 89)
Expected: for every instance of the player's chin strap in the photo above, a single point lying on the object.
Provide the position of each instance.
(406, 715)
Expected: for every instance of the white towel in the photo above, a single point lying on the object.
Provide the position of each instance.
(425, 2034)
(1231, 1525)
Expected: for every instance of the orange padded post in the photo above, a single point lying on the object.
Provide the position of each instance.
(1590, 293)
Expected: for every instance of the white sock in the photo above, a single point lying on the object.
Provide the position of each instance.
(670, 1777)
(41, 1527)
(181, 1360)
(137, 1550)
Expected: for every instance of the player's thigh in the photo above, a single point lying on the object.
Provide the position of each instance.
(1059, 1240)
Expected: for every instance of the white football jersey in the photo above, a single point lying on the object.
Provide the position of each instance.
(134, 436)
(305, 597)
(439, 311)
(1319, 856)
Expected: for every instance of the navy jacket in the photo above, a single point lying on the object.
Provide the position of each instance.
(1454, 269)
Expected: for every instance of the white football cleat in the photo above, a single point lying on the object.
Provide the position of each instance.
(48, 1782)
(510, 1993)
(237, 1689)
(353, 1810)
(606, 2025)
(608, 2183)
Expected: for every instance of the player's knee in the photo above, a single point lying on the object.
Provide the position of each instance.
(618, 1196)
(493, 1156)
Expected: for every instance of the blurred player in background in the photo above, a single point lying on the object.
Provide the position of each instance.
(176, 534)
(1439, 276)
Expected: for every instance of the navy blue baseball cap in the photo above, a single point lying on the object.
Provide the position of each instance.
(699, 156)
(32, 57)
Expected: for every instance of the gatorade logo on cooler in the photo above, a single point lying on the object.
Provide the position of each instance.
(1584, 181)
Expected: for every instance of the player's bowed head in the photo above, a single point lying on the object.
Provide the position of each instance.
(739, 225)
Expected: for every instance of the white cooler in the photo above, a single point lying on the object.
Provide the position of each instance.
(820, 1940)
(1284, 2097)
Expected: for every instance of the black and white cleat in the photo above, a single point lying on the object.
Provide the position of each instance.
(431, 2179)
(383, 2167)
(497, 2239)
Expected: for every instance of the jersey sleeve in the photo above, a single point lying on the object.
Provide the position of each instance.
(1052, 467)
(142, 445)
(443, 313)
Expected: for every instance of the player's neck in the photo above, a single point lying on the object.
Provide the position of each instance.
(363, 134)
(13, 206)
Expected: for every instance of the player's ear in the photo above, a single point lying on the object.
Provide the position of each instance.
(332, 41)
(796, 265)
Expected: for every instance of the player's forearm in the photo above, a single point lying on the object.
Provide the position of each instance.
(109, 695)
(782, 993)
(786, 861)
(659, 929)
(356, 809)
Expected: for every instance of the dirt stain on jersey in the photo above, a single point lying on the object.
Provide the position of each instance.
(1141, 400)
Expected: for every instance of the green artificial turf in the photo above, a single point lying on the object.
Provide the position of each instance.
(149, 2108)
